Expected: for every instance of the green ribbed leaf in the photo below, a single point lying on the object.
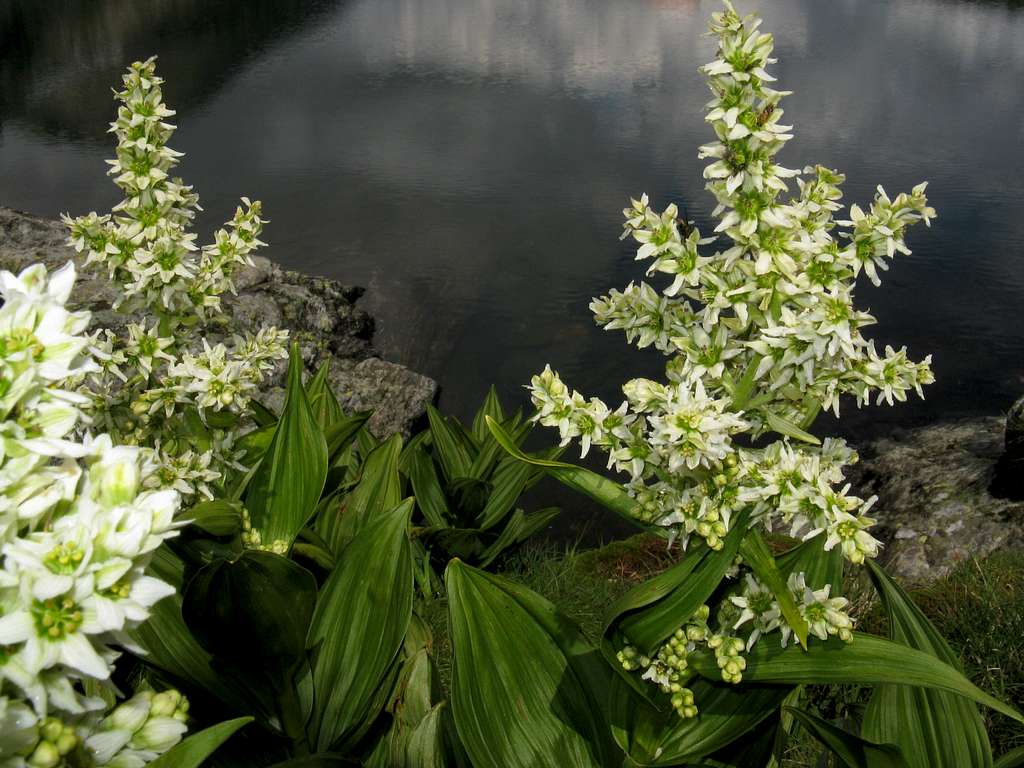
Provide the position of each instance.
(317, 761)
(361, 618)
(216, 517)
(659, 737)
(340, 433)
(491, 408)
(524, 684)
(286, 487)
(681, 591)
(1012, 759)
(251, 616)
(605, 492)
(325, 405)
(852, 750)
(757, 555)
(167, 641)
(646, 615)
(262, 415)
(789, 429)
(868, 660)
(818, 566)
(519, 528)
(426, 745)
(508, 483)
(192, 751)
(379, 489)
(449, 446)
(933, 728)
(427, 488)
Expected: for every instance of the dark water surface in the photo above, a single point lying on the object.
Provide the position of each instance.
(467, 160)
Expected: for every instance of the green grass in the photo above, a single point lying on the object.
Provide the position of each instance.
(979, 608)
(583, 584)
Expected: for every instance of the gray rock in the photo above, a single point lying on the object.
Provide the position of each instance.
(320, 313)
(1009, 477)
(360, 384)
(935, 507)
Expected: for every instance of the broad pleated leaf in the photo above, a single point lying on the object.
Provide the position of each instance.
(317, 761)
(379, 489)
(933, 729)
(166, 639)
(449, 447)
(851, 750)
(818, 566)
(426, 486)
(690, 584)
(491, 408)
(659, 737)
(254, 444)
(285, 489)
(518, 529)
(759, 747)
(508, 483)
(605, 492)
(1012, 759)
(757, 555)
(218, 517)
(251, 615)
(491, 451)
(254, 610)
(325, 405)
(426, 745)
(361, 618)
(525, 686)
(789, 429)
(365, 442)
(340, 433)
(867, 660)
(194, 749)
(262, 415)
(416, 736)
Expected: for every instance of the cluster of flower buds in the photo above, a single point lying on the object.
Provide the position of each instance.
(752, 611)
(155, 383)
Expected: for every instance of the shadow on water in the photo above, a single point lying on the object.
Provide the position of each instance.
(59, 58)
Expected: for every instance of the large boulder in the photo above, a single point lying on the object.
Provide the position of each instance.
(1009, 477)
(935, 503)
(321, 314)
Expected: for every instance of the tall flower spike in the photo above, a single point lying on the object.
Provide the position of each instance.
(760, 335)
(153, 384)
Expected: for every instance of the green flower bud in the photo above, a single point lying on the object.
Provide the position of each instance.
(46, 755)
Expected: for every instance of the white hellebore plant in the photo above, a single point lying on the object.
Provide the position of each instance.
(158, 387)
(77, 530)
(761, 335)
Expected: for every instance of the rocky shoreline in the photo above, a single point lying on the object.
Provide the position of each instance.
(936, 504)
(938, 500)
(321, 314)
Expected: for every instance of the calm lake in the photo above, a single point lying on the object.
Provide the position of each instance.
(467, 160)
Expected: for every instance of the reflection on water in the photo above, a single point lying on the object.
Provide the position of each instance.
(467, 159)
